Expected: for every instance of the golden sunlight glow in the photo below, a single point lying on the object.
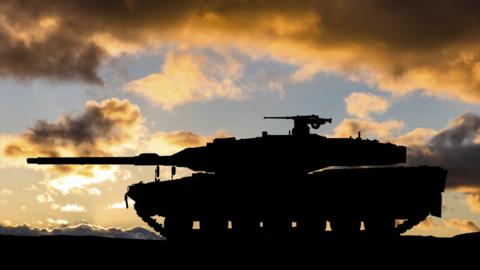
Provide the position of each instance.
(385, 130)
(418, 136)
(57, 222)
(38, 31)
(73, 207)
(363, 104)
(473, 201)
(115, 47)
(183, 80)
(463, 225)
(75, 182)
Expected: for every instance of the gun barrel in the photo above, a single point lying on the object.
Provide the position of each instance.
(278, 117)
(295, 117)
(140, 160)
(329, 120)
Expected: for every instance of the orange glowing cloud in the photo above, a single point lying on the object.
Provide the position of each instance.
(462, 225)
(187, 78)
(396, 46)
(473, 201)
(418, 136)
(385, 130)
(97, 131)
(363, 104)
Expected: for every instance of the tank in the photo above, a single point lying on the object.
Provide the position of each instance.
(283, 186)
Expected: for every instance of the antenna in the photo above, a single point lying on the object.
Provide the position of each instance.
(174, 171)
(157, 173)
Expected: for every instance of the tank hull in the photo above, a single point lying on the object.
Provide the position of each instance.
(363, 194)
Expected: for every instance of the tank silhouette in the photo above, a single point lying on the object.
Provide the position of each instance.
(280, 185)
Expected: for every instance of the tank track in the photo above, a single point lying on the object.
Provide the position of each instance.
(154, 224)
(399, 229)
(150, 221)
(408, 224)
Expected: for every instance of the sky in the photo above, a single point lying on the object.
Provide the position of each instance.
(126, 77)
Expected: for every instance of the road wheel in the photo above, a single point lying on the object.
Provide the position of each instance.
(213, 227)
(178, 227)
(245, 227)
(276, 226)
(311, 227)
(345, 226)
(380, 226)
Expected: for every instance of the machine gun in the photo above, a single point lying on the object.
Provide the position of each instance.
(301, 123)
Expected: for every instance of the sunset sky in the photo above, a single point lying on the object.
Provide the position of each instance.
(83, 77)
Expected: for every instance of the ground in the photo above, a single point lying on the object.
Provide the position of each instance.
(115, 251)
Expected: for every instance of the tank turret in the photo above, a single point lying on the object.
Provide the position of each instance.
(301, 152)
(277, 185)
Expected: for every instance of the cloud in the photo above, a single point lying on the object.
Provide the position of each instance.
(428, 223)
(418, 136)
(111, 127)
(44, 198)
(454, 148)
(5, 192)
(47, 198)
(76, 181)
(75, 208)
(42, 47)
(94, 191)
(119, 205)
(400, 47)
(81, 230)
(462, 225)
(100, 127)
(7, 222)
(57, 222)
(362, 105)
(369, 128)
(473, 201)
(183, 79)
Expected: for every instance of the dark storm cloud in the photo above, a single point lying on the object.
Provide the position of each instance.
(34, 43)
(399, 45)
(81, 230)
(97, 131)
(98, 122)
(457, 148)
(30, 47)
(463, 131)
